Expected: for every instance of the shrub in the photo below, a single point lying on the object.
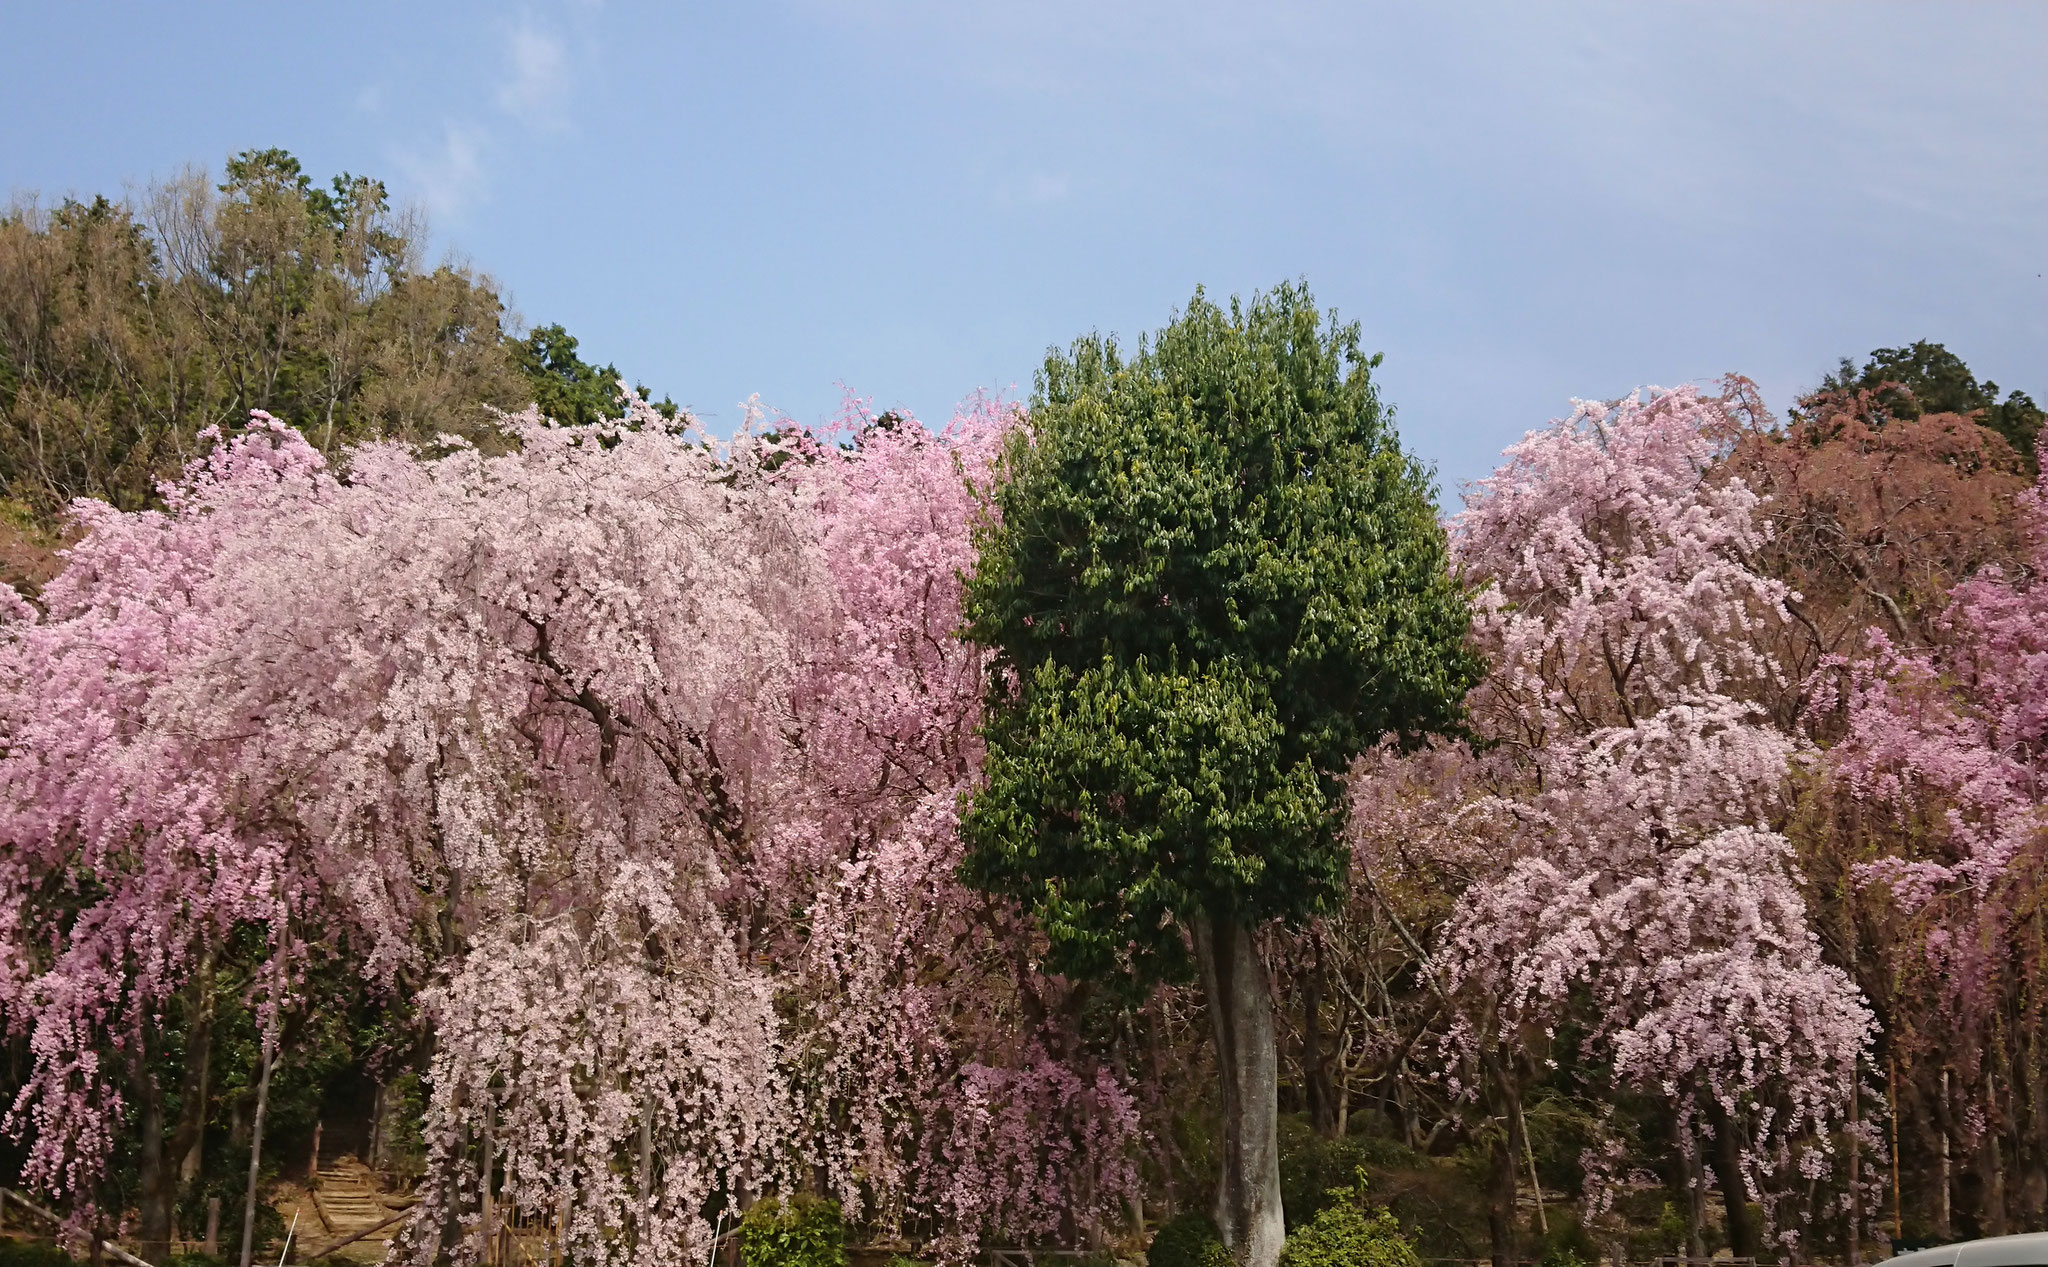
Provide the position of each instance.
(798, 1231)
(1187, 1240)
(1567, 1243)
(32, 1254)
(1345, 1233)
(1312, 1168)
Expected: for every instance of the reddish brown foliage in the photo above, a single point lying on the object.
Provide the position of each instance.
(1872, 520)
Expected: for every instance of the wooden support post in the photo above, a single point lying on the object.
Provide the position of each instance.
(1898, 1206)
(213, 1225)
(557, 1247)
(376, 1148)
(313, 1167)
(1855, 1175)
(1942, 1213)
(490, 1164)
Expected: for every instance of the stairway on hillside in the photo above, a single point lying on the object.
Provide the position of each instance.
(350, 1200)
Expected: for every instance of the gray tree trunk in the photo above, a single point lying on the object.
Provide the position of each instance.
(153, 1202)
(1247, 1209)
(268, 1059)
(1318, 1087)
(188, 1141)
(1745, 1239)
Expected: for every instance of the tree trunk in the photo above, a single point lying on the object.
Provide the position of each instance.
(1247, 1209)
(1743, 1240)
(1317, 1086)
(153, 1200)
(188, 1141)
(268, 1059)
(1855, 1236)
(643, 1223)
(1517, 1127)
(484, 1231)
(1500, 1202)
(1695, 1199)
(1994, 1160)
(375, 1148)
(1943, 1226)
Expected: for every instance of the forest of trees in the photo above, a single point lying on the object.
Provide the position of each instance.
(128, 328)
(1139, 816)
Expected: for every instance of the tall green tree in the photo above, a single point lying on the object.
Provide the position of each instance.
(1927, 378)
(126, 329)
(567, 388)
(1210, 578)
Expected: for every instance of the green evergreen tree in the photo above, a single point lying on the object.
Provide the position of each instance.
(1927, 378)
(567, 388)
(1211, 578)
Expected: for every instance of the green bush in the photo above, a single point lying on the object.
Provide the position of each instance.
(798, 1231)
(1567, 1243)
(1345, 1233)
(1312, 1167)
(15, 1253)
(195, 1258)
(1187, 1240)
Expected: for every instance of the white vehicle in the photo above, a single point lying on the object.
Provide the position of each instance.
(2028, 1249)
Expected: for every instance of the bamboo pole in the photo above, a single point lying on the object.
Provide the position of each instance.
(370, 1231)
(108, 1246)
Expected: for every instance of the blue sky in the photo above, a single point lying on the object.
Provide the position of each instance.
(1521, 203)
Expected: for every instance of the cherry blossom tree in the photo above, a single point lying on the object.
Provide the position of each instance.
(1943, 775)
(638, 758)
(1625, 874)
(129, 859)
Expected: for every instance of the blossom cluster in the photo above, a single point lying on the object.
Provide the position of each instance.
(635, 758)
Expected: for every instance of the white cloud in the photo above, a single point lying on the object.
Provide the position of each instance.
(536, 82)
(450, 172)
(449, 177)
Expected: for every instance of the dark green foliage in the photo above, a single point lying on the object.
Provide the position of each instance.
(15, 1253)
(1927, 378)
(1211, 578)
(1671, 1230)
(1187, 1239)
(798, 1231)
(1347, 1234)
(195, 1258)
(567, 388)
(1316, 1170)
(1566, 1242)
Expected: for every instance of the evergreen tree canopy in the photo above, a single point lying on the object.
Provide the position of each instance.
(1927, 378)
(566, 388)
(1211, 578)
